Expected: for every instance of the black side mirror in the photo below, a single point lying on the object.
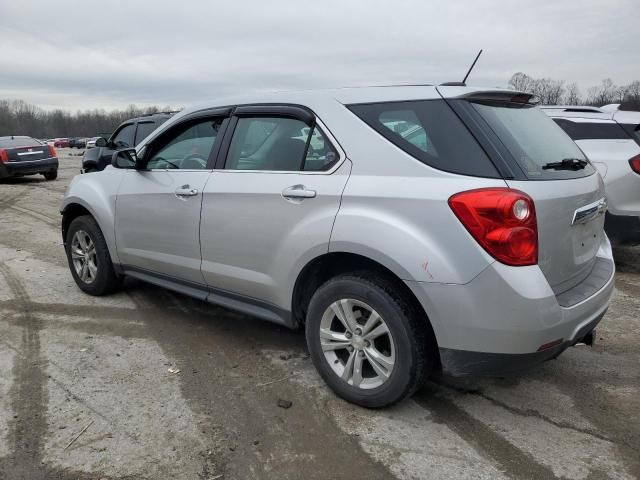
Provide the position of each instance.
(101, 142)
(126, 158)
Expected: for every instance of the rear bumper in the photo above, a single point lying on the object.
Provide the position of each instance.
(30, 167)
(622, 229)
(498, 322)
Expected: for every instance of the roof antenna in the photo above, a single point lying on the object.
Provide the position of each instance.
(464, 80)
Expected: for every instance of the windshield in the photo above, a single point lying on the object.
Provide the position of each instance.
(534, 140)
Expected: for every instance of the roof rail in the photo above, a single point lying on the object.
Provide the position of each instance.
(159, 113)
(574, 108)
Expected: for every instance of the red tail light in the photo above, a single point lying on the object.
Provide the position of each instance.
(4, 158)
(635, 164)
(52, 151)
(502, 220)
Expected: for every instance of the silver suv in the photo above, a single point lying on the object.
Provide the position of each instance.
(407, 229)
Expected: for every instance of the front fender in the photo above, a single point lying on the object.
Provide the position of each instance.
(96, 192)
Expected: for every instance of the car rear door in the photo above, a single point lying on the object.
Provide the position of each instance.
(158, 208)
(271, 202)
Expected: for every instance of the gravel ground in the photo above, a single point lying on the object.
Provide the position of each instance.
(71, 364)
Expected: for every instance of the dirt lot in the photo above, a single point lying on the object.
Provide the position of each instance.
(72, 364)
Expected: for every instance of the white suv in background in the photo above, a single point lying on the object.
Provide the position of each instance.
(611, 140)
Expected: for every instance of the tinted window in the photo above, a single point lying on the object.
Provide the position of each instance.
(186, 147)
(18, 142)
(268, 143)
(429, 131)
(592, 130)
(144, 129)
(533, 139)
(124, 137)
(633, 130)
(321, 155)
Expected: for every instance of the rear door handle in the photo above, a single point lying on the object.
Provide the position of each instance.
(186, 191)
(298, 191)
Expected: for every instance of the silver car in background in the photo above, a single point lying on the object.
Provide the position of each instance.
(407, 229)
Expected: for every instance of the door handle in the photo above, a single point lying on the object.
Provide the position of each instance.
(186, 191)
(298, 191)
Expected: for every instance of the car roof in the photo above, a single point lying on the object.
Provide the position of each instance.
(345, 96)
(576, 111)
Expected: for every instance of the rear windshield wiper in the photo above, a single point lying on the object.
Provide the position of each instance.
(566, 164)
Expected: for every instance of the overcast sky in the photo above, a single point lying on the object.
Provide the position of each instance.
(107, 54)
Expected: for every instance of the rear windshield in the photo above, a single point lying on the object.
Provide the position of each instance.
(431, 132)
(18, 142)
(533, 140)
(592, 130)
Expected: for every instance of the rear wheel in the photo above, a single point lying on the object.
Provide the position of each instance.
(89, 259)
(366, 341)
(52, 175)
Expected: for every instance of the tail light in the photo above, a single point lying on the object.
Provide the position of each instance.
(52, 151)
(635, 164)
(502, 220)
(4, 158)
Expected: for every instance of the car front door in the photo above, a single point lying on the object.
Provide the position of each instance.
(270, 205)
(158, 206)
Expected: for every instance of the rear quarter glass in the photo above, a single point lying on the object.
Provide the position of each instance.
(532, 139)
(429, 131)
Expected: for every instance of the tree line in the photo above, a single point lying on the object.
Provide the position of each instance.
(18, 117)
(558, 92)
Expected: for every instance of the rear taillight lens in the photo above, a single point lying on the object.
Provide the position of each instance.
(502, 220)
(52, 151)
(4, 158)
(635, 164)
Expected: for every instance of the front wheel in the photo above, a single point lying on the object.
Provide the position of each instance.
(366, 341)
(89, 259)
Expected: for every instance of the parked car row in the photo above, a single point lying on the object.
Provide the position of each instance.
(406, 229)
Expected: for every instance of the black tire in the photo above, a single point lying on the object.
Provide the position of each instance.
(52, 175)
(413, 350)
(106, 281)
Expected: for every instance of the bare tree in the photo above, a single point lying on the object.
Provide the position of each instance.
(572, 95)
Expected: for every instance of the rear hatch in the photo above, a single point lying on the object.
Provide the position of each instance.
(20, 149)
(539, 159)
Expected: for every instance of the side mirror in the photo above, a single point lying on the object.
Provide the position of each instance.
(126, 158)
(101, 142)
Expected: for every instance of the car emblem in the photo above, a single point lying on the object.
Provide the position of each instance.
(589, 212)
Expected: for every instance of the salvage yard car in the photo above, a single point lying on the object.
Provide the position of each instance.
(128, 134)
(407, 229)
(611, 140)
(21, 155)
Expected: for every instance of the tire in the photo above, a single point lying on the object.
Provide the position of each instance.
(99, 281)
(52, 175)
(406, 345)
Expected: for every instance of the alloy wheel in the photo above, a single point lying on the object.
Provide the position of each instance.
(357, 343)
(83, 255)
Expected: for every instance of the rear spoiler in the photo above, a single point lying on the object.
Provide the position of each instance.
(501, 96)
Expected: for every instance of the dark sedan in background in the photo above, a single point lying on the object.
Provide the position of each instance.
(21, 156)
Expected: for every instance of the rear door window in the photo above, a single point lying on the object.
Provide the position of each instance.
(533, 139)
(279, 144)
(429, 131)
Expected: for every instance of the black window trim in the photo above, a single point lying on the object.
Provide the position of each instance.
(503, 170)
(299, 112)
(188, 119)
